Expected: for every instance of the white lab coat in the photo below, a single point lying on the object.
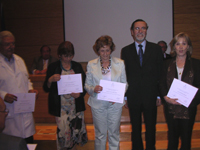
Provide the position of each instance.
(21, 125)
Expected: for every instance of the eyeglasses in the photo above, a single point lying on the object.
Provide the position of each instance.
(143, 28)
(8, 44)
(5, 111)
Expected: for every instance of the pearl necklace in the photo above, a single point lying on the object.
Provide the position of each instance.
(107, 69)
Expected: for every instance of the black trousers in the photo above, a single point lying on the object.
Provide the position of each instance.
(29, 140)
(180, 128)
(149, 115)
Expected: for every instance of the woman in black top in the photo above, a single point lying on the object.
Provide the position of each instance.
(68, 108)
(180, 119)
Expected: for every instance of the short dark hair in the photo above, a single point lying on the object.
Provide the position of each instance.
(137, 20)
(65, 48)
(103, 41)
(43, 47)
(162, 42)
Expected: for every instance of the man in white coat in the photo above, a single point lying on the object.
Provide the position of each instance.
(9, 142)
(14, 78)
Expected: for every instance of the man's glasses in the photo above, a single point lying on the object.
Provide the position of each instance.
(8, 44)
(143, 28)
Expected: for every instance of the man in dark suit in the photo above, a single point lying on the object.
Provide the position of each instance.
(163, 46)
(143, 67)
(41, 63)
(9, 142)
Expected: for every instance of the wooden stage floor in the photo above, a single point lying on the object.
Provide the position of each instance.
(47, 132)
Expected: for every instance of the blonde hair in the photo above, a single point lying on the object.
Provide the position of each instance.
(176, 38)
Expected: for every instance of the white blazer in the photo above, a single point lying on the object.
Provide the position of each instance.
(93, 76)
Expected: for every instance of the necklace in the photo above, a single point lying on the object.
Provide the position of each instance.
(180, 70)
(107, 69)
(64, 68)
(180, 62)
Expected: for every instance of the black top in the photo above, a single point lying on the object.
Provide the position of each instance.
(191, 75)
(54, 102)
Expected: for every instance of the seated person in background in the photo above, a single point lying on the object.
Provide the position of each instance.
(163, 45)
(9, 142)
(40, 63)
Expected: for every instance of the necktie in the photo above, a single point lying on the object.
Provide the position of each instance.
(44, 65)
(140, 54)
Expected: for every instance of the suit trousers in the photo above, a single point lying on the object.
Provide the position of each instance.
(180, 128)
(149, 115)
(106, 120)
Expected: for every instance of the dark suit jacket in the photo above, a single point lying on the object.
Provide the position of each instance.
(143, 81)
(54, 101)
(8, 142)
(168, 56)
(38, 63)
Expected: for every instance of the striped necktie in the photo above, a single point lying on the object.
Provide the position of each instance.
(140, 54)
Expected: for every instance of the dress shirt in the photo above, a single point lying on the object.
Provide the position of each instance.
(45, 61)
(143, 46)
(10, 63)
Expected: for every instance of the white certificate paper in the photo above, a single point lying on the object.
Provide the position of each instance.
(112, 91)
(31, 146)
(25, 102)
(184, 92)
(70, 84)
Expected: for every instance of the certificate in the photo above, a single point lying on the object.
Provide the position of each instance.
(25, 102)
(112, 91)
(184, 92)
(31, 146)
(70, 84)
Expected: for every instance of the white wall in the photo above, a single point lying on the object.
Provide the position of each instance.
(86, 20)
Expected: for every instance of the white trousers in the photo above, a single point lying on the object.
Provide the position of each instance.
(107, 120)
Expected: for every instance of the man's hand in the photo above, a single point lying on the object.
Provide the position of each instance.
(158, 102)
(43, 71)
(126, 104)
(34, 91)
(10, 98)
(40, 71)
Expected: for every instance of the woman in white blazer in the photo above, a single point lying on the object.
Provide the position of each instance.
(106, 115)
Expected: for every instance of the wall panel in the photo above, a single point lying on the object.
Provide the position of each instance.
(186, 19)
(34, 23)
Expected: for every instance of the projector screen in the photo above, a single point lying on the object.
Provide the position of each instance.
(87, 20)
